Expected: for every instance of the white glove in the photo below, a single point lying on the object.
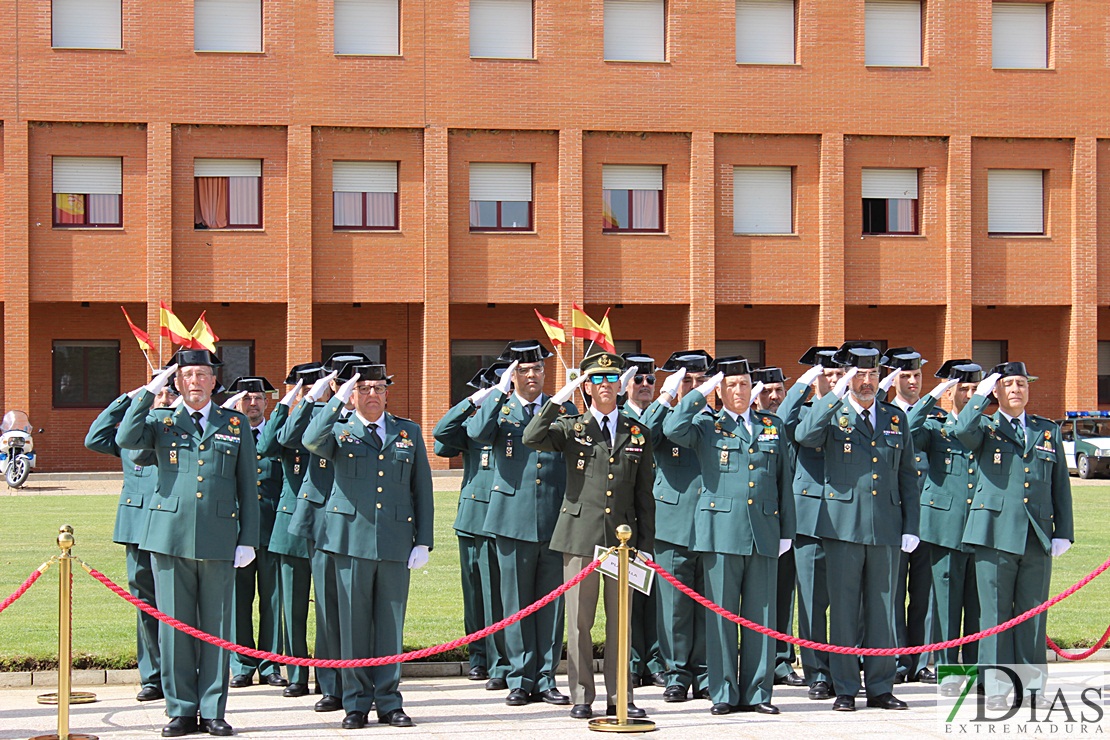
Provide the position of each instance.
(1060, 546)
(942, 388)
(506, 381)
(757, 389)
(811, 375)
(707, 387)
(845, 382)
(160, 380)
(132, 394)
(288, 400)
(885, 383)
(230, 403)
(320, 386)
(243, 556)
(418, 558)
(177, 402)
(785, 545)
(627, 376)
(672, 383)
(987, 384)
(567, 390)
(910, 542)
(345, 390)
(478, 396)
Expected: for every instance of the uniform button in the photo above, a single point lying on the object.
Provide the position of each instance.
(832, 495)
(381, 473)
(751, 484)
(972, 471)
(258, 483)
(818, 449)
(874, 476)
(581, 454)
(980, 506)
(377, 505)
(751, 467)
(971, 485)
(379, 489)
(1026, 470)
(159, 506)
(917, 458)
(350, 454)
(381, 457)
(971, 457)
(410, 519)
(260, 497)
(874, 493)
(335, 508)
(751, 501)
(202, 446)
(564, 510)
(805, 491)
(610, 493)
(712, 505)
(200, 495)
(538, 481)
(128, 500)
(612, 459)
(607, 511)
(259, 470)
(931, 502)
(201, 462)
(539, 465)
(1025, 500)
(1026, 485)
(304, 495)
(610, 476)
(285, 508)
(233, 515)
(497, 488)
(969, 501)
(872, 444)
(200, 478)
(874, 459)
(258, 456)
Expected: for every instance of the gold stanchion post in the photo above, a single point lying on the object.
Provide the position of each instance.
(65, 645)
(621, 723)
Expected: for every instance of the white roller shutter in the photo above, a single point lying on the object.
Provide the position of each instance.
(88, 175)
(1015, 201)
(370, 27)
(893, 33)
(750, 349)
(762, 200)
(502, 181)
(886, 183)
(986, 353)
(1019, 37)
(227, 167)
(764, 31)
(632, 177)
(501, 29)
(86, 24)
(364, 177)
(227, 25)
(634, 30)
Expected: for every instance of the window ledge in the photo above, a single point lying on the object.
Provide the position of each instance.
(234, 230)
(88, 228)
(614, 232)
(764, 234)
(351, 231)
(637, 61)
(768, 64)
(1024, 69)
(1019, 236)
(357, 55)
(115, 49)
(895, 236)
(896, 66)
(505, 59)
(228, 51)
(505, 232)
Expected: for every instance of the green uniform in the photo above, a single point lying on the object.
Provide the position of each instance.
(605, 488)
(524, 504)
(481, 579)
(380, 507)
(139, 482)
(206, 504)
(1022, 502)
(871, 500)
(746, 506)
(264, 571)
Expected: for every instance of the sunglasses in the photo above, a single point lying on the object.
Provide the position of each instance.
(599, 379)
(649, 379)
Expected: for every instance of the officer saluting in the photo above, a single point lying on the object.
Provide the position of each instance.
(203, 520)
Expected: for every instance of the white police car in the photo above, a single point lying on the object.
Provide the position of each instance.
(1086, 437)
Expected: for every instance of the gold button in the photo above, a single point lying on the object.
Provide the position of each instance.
(381, 457)
(496, 488)
(233, 515)
(980, 506)
(285, 508)
(610, 476)
(1026, 470)
(260, 470)
(304, 495)
(202, 446)
(971, 456)
(832, 495)
(200, 495)
(818, 449)
(931, 502)
(335, 508)
(200, 478)
(751, 484)
(751, 501)
(581, 454)
(260, 497)
(410, 519)
(971, 485)
(258, 483)
(381, 473)
(872, 444)
(608, 493)
(751, 467)
(173, 444)
(607, 510)
(917, 458)
(350, 454)
(874, 476)
(751, 451)
(200, 462)
(379, 489)
(874, 459)
(969, 501)
(805, 491)
(972, 470)
(564, 510)
(1025, 500)
(377, 505)
(1026, 485)
(472, 496)
(612, 459)
(128, 500)
(874, 493)
(539, 465)
(538, 481)
(259, 456)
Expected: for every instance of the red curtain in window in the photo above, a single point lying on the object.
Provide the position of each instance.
(211, 201)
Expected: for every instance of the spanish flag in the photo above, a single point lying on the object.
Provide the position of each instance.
(202, 334)
(172, 327)
(554, 330)
(586, 328)
(140, 336)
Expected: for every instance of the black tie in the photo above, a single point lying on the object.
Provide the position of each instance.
(605, 431)
(530, 410)
(257, 434)
(198, 419)
(1019, 431)
(375, 438)
(866, 414)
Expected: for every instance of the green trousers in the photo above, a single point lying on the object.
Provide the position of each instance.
(140, 580)
(813, 606)
(264, 571)
(914, 621)
(534, 645)
(296, 580)
(481, 582)
(784, 613)
(682, 622)
(325, 587)
(646, 657)
(955, 603)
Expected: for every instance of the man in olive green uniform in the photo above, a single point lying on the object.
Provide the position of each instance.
(481, 580)
(265, 570)
(945, 502)
(744, 522)
(1020, 517)
(140, 477)
(609, 473)
(872, 507)
(203, 523)
(377, 526)
(524, 504)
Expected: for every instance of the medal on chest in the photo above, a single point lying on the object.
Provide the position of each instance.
(581, 465)
(847, 448)
(509, 448)
(724, 457)
(173, 457)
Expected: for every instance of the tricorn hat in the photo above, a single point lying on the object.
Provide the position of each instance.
(902, 358)
(768, 375)
(694, 360)
(525, 351)
(965, 371)
(1008, 369)
(494, 372)
(369, 371)
(251, 384)
(861, 354)
(308, 372)
(645, 364)
(731, 366)
(341, 363)
(819, 355)
(187, 357)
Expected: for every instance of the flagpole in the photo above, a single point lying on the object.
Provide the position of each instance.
(148, 362)
(592, 340)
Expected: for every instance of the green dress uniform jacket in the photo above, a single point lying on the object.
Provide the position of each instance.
(294, 468)
(451, 439)
(308, 517)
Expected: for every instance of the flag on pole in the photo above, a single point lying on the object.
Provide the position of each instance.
(555, 331)
(608, 331)
(140, 336)
(173, 328)
(586, 328)
(202, 334)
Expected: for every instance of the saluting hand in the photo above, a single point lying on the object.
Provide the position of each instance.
(479, 396)
(230, 403)
(160, 380)
(845, 382)
(672, 383)
(987, 384)
(288, 400)
(811, 375)
(568, 390)
(942, 388)
(506, 381)
(707, 387)
(345, 390)
(757, 389)
(627, 376)
(885, 383)
(321, 385)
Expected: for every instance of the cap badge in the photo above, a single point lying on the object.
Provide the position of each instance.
(604, 361)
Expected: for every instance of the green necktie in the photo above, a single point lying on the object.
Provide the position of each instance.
(1019, 431)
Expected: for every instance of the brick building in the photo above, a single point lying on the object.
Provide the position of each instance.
(747, 176)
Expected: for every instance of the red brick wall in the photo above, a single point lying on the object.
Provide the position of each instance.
(1037, 336)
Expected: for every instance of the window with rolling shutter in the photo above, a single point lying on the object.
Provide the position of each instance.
(364, 195)
(367, 27)
(762, 200)
(227, 193)
(86, 24)
(227, 25)
(750, 349)
(1103, 372)
(892, 33)
(986, 353)
(632, 197)
(1015, 202)
(500, 196)
(1019, 35)
(890, 201)
(635, 30)
(765, 31)
(87, 191)
(501, 29)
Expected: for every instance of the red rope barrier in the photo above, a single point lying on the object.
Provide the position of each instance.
(26, 585)
(1083, 655)
(357, 663)
(845, 650)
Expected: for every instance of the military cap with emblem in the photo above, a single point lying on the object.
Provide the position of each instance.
(1009, 369)
(694, 360)
(601, 363)
(965, 371)
(369, 371)
(341, 363)
(645, 364)
(727, 366)
(861, 354)
(494, 372)
(251, 384)
(524, 351)
(902, 358)
(187, 357)
(306, 372)
(768, 375)
(820, 355)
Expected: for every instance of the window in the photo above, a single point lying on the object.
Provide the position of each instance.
(500, 196)
(764, 31)
(501, 29)
(364, 195)
(986, 353)
(86, 374)
(633, 197)
(749, 349)
(468, 356)
(1104, 372)
(372, 348)
(762, 200)
(86, 24)
(88, 191)
(368, 27)
(889, 201)
(237, 358)
(227, 25)
(1019, 35)
(1015, 202)
(227, 193)
(893, 33)
(634, 30)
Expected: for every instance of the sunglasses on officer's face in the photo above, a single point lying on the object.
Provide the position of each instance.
(599, 379)
(638, 379)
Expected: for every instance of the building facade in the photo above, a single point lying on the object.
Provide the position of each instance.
(413, 178)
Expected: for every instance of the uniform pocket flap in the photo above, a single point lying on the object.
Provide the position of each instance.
(893, 440)
(715, 503)
(402, 455)
(227, 509)
(667, 495)
(340, 505)
(574, 508)
(937, 500)
(771, 508)
(991, 502)
(164, 503)
(132, 500)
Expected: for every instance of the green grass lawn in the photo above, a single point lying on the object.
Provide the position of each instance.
(103, 633)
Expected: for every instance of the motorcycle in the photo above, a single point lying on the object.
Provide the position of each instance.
(17, 448)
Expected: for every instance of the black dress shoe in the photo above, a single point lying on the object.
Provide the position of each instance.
(517, 698)
(820, 690)
(354, 721)
(925, 676)
(998, 704)
(581, 711)
(675, 694)
(328, 704)
(294, 690)
(902, 676)
(634, 712)
(719, 709)
(395, 718)
(844, 703)
(216, 727)
(496, 684)
(477, 673)
(762, 708)
(793, 679)
(886, 701)
(242, 681)
(658, 679)
(702, 694)
(275, 679)
(180, 727)
(951, 688)
(552, 696)
(150, 693)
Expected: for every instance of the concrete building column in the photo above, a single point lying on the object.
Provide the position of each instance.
(299, 345)
(436, 376)
(956, 327)
(571, 278)
(159, 229)
(701, 327)
(17, 289)
(1081, 382)
(830, 317)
